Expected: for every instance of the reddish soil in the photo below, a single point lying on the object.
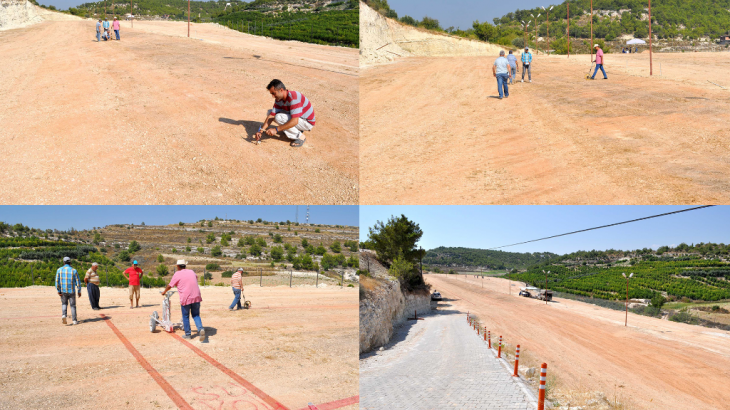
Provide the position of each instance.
(295, 346)
(433, 132)
(652, 363)
(159, 118)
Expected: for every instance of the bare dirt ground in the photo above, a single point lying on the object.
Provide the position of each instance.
(294, 347)
(652, 363)
(433, 132)
(158, 118)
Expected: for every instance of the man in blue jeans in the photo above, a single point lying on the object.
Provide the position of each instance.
(67, 280)
(187, 286)
(98, 31)
(599, 62)
(237, 286)
(513, 66)
(500, 69)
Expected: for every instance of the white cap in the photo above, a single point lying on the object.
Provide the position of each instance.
(181, 262)
(66, 259)
(94, 264)
(239, 270)
(595, 45)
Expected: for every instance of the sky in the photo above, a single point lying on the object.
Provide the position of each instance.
(87, 217)
(491, 226)
(462, 13)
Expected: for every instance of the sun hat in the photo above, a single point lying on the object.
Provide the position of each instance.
(239, 270)
(66, 259)
(94, 264)
(181, 262)
(595, 45)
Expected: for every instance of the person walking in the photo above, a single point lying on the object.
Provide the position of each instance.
(237, 286)
(527, 64)
(599, 62)
(92, 285)
(292, 113)
(98, 31)
(67, 279)
(513, 66)
(106, 29)
(133, 275)
(500, 69)
(187, 285)
(115, 27)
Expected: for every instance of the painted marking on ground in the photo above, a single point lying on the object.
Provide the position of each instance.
(166, 387)
(255, 390)
(334, 404)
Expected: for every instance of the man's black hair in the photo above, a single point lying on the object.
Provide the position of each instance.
(277, 84)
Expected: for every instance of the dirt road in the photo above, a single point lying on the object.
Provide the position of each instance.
(295, 346)
(432, 132)
(158, 118)
(656, 364)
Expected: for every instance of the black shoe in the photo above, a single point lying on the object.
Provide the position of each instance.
(187, 337)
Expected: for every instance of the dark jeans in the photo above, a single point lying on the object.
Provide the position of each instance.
(70, 299)
(527, 68)
(117, 33)
(94, 294)
(602, 70)
(503, 83)
(236, 298)
(194, 309)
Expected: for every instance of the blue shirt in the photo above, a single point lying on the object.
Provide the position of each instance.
(98, 26)
(502, 65)
(106, 24)
(512, 60)
(526, 58)
(67, 279)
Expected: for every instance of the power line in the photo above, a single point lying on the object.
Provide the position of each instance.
(603, 226)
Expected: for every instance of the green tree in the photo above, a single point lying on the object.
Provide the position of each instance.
(430, 24)
(210, 238)
(484, 31)
(261, 242)
(210, 224)
(216, 251)
(124, 256)
(162, 270)
(305, 243)
(134, 247)
(180, 223)
(336, 247)
(201, 250)
(277, 253)
(160, 258)
(255, 250)
(277, 238)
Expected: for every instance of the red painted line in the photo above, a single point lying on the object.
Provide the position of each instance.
(255, 390)
(169, 390)
(334, 404)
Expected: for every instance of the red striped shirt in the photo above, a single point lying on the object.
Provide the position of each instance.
(296, 105)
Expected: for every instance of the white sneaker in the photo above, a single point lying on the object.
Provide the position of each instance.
(530, 80)
(75, 322)
(63, 319)
(522, 81)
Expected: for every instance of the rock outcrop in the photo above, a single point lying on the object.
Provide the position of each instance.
(18, 13)
(383, 40)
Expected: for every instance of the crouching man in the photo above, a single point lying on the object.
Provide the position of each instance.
(292, 114)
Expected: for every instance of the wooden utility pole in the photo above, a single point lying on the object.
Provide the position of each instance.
(592, 31)
(188, 18)
(651, 64)
(568, 30)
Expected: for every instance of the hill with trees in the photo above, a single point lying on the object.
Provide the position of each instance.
(483, 259)
(676, 20)
(696, 272)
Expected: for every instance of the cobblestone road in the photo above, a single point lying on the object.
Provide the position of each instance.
(440, 363)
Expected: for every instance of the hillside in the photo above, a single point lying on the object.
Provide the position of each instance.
(483, 259)
(699, 272)
(262, 248)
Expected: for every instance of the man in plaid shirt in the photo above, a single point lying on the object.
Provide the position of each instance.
(67, 280)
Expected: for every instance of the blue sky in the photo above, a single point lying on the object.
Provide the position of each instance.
(491, 226)
(462, 13)
(86, 217)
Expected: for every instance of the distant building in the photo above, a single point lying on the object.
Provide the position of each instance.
(724, 39)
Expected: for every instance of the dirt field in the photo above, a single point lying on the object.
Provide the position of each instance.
(654, 364)
(433, 132)
(294, 347)
(158, 118)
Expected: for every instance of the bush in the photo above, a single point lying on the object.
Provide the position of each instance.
(210, 238)
(162, 270)
(518, 42)
(304, 243)
(187, 249)
(255, 250)
(261, 242)
(216, 251)
(320, 250)
(201, 250)
(134, 247)
(336, 247)
(227, 274)
(208, 276)
(210, 224)
(277, 253)
(160, 258)
(213, 267)
(277, 238)
(180, 223)
(316, 230)
(658, 301)
(124, 256)
(683, 317)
